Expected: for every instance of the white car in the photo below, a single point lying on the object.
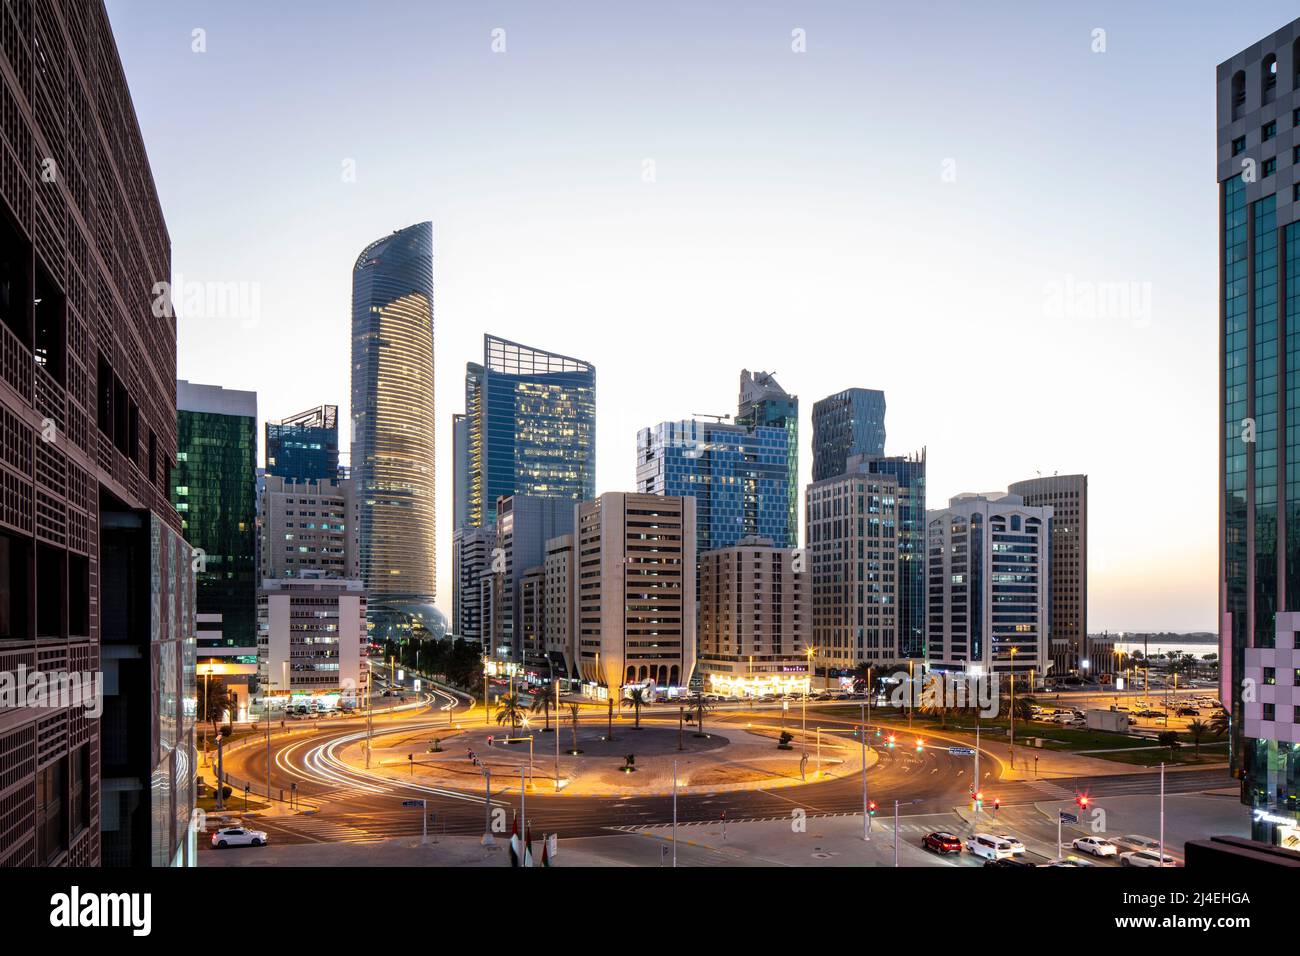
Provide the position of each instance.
(238, 836)
(1017, 847)
(1069, 861)
(1097, 846)
(1145, 858)
(989, 847)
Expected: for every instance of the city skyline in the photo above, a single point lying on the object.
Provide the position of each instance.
(761, 217)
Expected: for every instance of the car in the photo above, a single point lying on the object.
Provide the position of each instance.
(1135, 841)
(989, 847)
(1011, 861)
(1069, 861)
(1187, 712)
(1097, 846)
(1145, 858)
(1016, 846)
(1150, 713)
(941, 841)
(238, 836)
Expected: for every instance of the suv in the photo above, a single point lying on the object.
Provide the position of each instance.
(941, 842)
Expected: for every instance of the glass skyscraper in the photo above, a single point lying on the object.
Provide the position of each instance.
(530, 429)
(909, 471)
(214, 487)
(848, 423)
(764, 402)
(1258, 98)
(393, 427)
(304, 447)
(737, 475)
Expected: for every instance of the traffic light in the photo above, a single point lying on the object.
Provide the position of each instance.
(871, 808)
(1082, 801)
(920, 744)
(892, 740)
(997, 804)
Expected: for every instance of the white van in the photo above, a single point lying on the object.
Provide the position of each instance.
(989, 847)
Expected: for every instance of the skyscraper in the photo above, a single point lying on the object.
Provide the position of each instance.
(214, 487)
(848, 423)
(909, 472)
(393, 427)
(764, 402)
(738, 476)
(989, 574)
(304, 447)
(1068, 497)
(95, 577)
(1258, 96)
(524, 523)
(531, 428)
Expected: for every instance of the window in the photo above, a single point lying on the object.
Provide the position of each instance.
(1270, 712)
(1238, 145)
(1270, 166)
(1268, 130)
(1238, 93)
(1295, 192)
(1268, 79)
(1270, 675)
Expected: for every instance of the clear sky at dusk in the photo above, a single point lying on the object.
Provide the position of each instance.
(925, 201)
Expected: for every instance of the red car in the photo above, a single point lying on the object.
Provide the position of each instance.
(941, 842)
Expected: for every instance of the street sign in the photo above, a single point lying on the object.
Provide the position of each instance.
(412, 803)
(1068, 817)
(960, 751)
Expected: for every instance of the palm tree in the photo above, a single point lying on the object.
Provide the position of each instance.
(1168, 738)
(637, 698)
(1025, 708)
(510, 710)
(214, 703)
(937, 705)
(1197, 729)
(575, 709)
(701, 707)
(1219, 723)
(542, 702)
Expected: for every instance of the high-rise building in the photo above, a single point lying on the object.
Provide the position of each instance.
(460, 472)
(1258, 95)
(737, 474)
(214, 487)
(909, 471)
(990, 601)
(755, 619)
(308, 525)
(471, 561)
(635, 591)
(531, 428)
(764, 402)
(1067, 495)
(95, 577)
(312, 637)
(853, 540)
(846, 424)
(393, 428)
(524, 523)
(305, 446)
(558, 602)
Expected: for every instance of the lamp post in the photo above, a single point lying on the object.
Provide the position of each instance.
(911, 694)
(803, 733)
(1014, 651)
(866, 816)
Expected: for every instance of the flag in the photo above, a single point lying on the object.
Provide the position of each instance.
(514, 843)
(546, 851)
(528, 845)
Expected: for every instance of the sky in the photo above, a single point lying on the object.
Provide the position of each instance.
(1004, 215)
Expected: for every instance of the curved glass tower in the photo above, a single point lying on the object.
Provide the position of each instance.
(393, 423)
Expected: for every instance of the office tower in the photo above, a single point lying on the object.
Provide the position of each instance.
(738, 476)
(531, 428)
(848, 423)
(214, 487)
(89, 540)
(558, 602)
(393, 429)
(471, 560)
(989, 567)
(635, 615)
(764, 402)
(311, 637)
(1258, 95)
(304, 446)
(755, 619)
(853, 540)
(460, 472)
(532, 623)
(308, 525)
(524, 523)
(909, 471)
(1068, 644)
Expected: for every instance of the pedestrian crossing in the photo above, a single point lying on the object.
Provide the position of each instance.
(886, 823)
(323, 830)
(1048, 789)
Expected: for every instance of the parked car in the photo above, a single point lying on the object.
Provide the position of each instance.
(941, 841)
(1187, 712)
(1069, 861)
(1134, 841)
(1011, 861)
(1016, 846)
(238, 836)
(988, 847)
(1145, 858)
(1097, 846)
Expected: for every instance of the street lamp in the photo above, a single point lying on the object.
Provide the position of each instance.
(1014, 651)
(812, 652)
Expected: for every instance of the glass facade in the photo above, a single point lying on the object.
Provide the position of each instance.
(304, 447)
(847, 424)
(532, 428)
(910, 475)
(393, 418)
(214, 490)
(764, 402)
(738, 477)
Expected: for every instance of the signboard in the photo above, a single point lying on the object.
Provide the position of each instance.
(961, 751)
(412, 803)
(1068, 817)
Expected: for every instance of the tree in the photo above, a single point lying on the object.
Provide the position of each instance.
(1219, 723)
(542, 702)
(214, 702)
(701, 707)
(936, 703)
(575, 709)
(1025, 708)
(510, 710)
(1197, 730)
(1168, 738)
(637, 698)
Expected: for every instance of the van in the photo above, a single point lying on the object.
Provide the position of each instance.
(989, 847)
